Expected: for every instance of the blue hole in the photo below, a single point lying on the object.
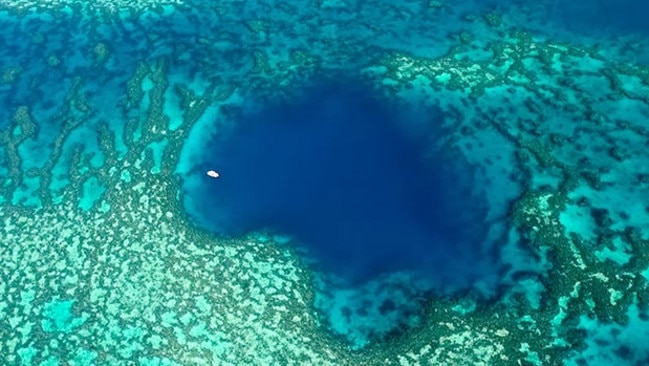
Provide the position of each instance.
(365, 186)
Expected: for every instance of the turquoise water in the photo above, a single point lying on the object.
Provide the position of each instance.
(411, 183)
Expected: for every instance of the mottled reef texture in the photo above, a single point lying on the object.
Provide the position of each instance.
(127, 280)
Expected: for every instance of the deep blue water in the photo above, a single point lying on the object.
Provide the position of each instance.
(353, 178)
(603, 16)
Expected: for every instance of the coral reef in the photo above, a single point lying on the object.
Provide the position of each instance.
(105, 105)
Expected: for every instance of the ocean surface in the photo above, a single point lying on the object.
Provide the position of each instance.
(397, 183)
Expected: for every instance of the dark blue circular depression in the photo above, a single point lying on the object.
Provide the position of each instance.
(358, 180)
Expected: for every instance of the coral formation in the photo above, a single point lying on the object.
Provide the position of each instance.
(105, 104)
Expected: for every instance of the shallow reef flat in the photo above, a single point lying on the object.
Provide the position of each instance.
(101, 6)
(109, 107)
